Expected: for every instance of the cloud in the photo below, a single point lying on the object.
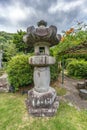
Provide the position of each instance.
(16, 13)
(64, 6)
(23, 13)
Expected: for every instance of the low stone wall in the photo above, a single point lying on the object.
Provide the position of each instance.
(82, 87)
(4, 84)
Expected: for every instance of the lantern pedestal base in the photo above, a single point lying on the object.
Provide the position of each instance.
(42, 104)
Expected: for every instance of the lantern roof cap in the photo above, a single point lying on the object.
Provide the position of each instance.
(42, 34)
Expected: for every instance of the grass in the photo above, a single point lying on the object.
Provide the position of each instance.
(60, 91)
(14, 116)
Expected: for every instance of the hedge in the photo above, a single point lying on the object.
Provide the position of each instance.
(19, 71)
(76, 55)
(77, 68)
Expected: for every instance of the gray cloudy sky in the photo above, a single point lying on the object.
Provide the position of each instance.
(19, 14)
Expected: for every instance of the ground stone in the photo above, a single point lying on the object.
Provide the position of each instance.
(80, 85)
(85, 84)
(4, 84)
(83, 93)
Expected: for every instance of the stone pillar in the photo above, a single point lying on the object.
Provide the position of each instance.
(41, 79)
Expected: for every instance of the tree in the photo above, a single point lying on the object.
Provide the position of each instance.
(9, 51)
(18, 41)
(20, 45)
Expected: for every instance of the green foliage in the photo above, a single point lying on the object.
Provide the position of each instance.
(9, 51)
(67, 61)
(2, 71)
(76, 55)
(18, 40)
(6, 44)
(54, 71)
(54, 68)
(71, 41)
(19, 71)
(73, 56)
(20, 45)
(2, 39)
(5, 37)
(77, 68)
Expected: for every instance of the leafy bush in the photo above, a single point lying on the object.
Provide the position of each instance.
(76, 55)
(18, 40)
(10, 50)
(54, 71)
(19, 71)
(20, 45)
(2, 71)
(67, 61)
(71, 41)
(77, 68)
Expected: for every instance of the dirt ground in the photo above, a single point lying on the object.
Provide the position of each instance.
(72, 95)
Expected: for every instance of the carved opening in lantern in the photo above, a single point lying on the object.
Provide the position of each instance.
(42, 50)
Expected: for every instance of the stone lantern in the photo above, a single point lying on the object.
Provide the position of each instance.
(42, 99)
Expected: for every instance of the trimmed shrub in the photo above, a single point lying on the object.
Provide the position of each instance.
(77, 68)
(67, 61)
(20, 73)
(54, 71)
(77, 56)
(54, 68)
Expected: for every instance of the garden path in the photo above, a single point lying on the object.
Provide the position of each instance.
(72, 95)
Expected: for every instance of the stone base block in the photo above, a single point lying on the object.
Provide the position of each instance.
(83, 94)
(85, 84)
(80, 85)
(41, 112)
(42, 104)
